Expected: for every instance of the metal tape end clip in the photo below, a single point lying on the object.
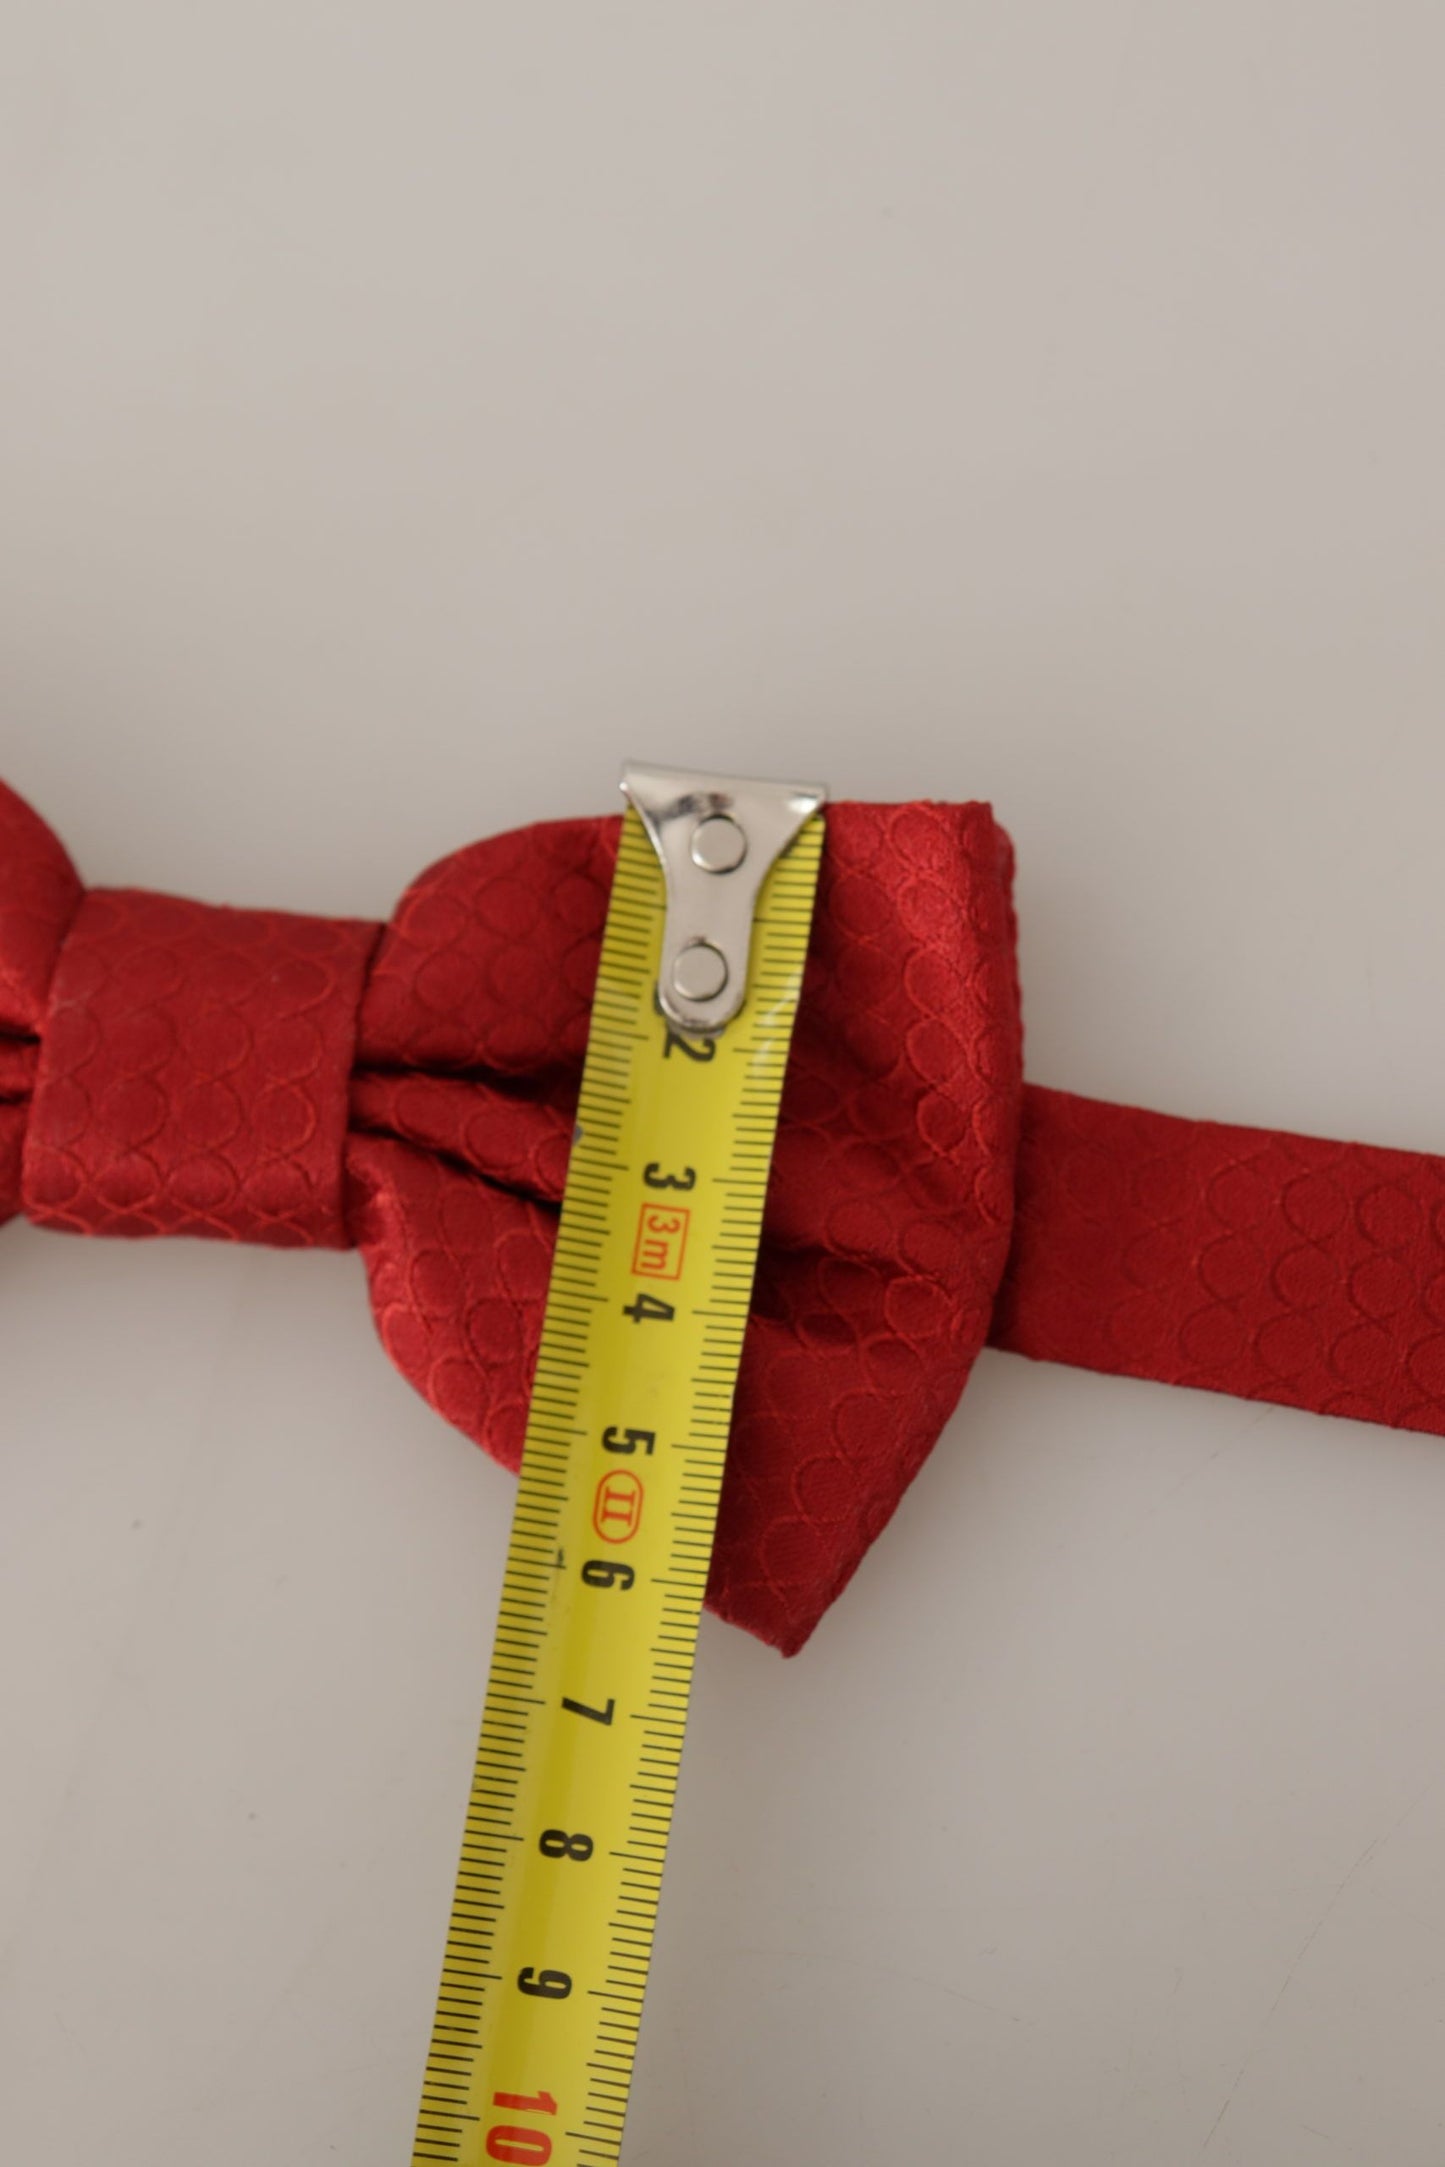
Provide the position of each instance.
(717, 838)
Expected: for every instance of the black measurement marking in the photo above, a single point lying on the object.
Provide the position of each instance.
(555, 1843)
(655, 1178)
(649, 1306)
(693, 1049)
(593, 1715)
(608, 1573)
(615, 1440)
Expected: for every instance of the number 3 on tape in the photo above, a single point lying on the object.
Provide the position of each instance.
(555, 1909)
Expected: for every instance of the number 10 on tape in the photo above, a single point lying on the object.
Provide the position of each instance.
(571, 1800)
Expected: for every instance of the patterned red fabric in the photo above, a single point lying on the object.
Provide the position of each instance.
(193, 1073)
(170, 1067)
(1273, 1267)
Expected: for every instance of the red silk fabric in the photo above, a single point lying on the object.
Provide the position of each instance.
(193, 1073)
(1271, 1266)
(171, 1067)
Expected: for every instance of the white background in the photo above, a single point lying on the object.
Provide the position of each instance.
(406, 412)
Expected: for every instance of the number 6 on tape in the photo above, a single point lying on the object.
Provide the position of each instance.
(552, 1924)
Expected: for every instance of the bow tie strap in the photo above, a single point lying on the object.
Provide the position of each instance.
(1268, 1266)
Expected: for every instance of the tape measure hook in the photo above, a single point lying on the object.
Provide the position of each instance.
(717, 838)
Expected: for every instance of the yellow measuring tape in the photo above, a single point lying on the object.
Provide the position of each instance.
(571, 1801)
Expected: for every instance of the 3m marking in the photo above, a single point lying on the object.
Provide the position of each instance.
(661, 1241)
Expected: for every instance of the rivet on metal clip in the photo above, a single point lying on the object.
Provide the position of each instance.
(717, 838)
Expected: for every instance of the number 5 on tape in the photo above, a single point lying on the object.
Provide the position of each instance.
(571, 1802)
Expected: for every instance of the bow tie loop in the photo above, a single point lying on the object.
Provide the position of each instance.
(194, 1072)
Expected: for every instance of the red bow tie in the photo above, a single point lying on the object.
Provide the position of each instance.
(175, 1068)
